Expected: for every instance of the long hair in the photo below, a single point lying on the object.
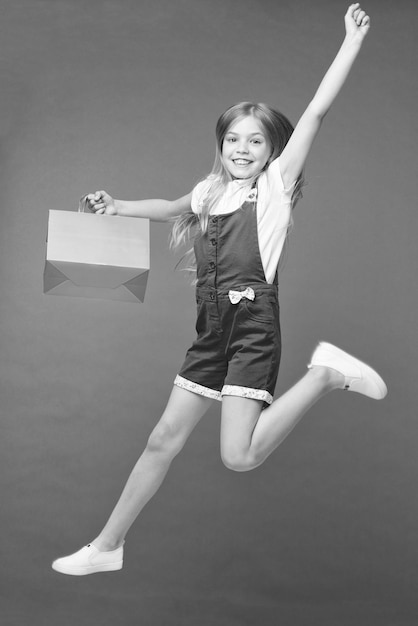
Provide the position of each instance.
(277, 129)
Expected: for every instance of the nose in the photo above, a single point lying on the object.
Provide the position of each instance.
(242, 148)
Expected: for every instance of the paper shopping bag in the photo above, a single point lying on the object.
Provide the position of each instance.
(97, 256)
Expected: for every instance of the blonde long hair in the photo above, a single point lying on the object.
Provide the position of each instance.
(278, 130)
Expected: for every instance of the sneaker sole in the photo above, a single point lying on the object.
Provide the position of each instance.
(91, 569)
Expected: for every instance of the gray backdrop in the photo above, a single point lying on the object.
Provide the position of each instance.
(124, 95)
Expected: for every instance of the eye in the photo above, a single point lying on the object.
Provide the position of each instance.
(230, 139)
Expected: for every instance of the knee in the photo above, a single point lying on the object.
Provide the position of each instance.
(238, 460)
(164, 440)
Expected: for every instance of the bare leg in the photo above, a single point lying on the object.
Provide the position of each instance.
(249, 435)
(183, 412)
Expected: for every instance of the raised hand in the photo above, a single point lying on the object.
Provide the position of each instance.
(357, 22)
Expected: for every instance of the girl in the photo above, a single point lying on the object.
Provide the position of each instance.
(242, 212)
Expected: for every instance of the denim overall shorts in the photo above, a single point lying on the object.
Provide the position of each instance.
(238, 345)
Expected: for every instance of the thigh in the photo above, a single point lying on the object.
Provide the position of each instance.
(183, 412)
(239, 418)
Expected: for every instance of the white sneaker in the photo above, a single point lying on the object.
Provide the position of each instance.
(359, 377)
(89, 560)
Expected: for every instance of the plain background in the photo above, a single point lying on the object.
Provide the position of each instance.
(124, 95)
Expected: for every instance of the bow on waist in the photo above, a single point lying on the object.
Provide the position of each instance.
(237, 296)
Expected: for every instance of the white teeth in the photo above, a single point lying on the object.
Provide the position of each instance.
(241, 162)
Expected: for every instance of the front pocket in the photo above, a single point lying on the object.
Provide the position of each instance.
(261, 310)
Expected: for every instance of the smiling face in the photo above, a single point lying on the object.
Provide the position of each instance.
(245, 148)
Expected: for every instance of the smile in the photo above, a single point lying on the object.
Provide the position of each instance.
(241, 162)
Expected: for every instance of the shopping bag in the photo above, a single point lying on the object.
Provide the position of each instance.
(97, 256)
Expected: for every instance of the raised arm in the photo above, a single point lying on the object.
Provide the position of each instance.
(155, 210)
(293, 157)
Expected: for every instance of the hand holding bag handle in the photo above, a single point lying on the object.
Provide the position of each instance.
(99, 202)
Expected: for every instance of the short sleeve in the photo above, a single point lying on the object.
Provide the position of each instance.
(274, 201)
(274, 174)
(199, 194)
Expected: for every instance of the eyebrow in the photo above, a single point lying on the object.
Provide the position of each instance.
(259, 132)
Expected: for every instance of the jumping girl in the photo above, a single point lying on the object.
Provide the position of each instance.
(241, 214)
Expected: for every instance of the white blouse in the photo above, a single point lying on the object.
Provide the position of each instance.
(274, 206)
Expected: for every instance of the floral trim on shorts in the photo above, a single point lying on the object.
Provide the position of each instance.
(183, 383)
(247, 392)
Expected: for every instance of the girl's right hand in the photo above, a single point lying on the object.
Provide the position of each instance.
(101, 202)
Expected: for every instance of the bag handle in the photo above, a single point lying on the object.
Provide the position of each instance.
(82, 204)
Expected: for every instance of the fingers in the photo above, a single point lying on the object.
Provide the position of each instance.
(359, 16)
(96, 201)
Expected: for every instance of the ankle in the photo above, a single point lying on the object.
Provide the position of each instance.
(106, 544)
(328, 377)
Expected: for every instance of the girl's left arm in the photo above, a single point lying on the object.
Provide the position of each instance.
(293, 157)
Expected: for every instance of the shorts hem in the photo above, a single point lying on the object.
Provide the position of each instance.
(247, 392)
(189, 385)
